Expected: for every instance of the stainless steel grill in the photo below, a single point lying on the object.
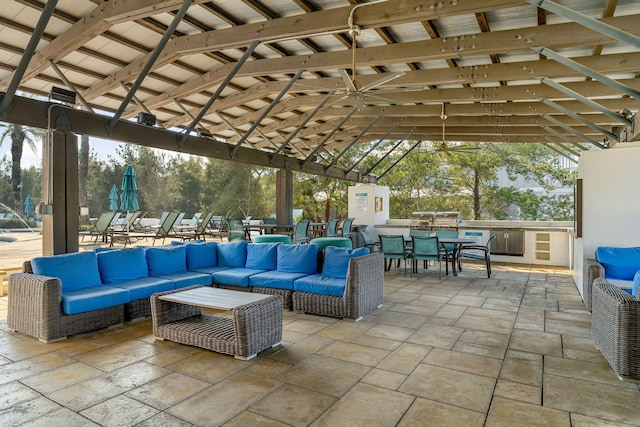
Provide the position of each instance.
(422, 220)
(433, 220)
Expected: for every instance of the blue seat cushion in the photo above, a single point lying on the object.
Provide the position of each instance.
(94, 298)
(262, 256)
(298, 259)
(120, 265)
(619, 263)
(336, 260)
(210, 270)
(235, 276)
(201, 255)
(144, 287)
(188, 278)
(320, 284)
(77, 270)
(165, 260)
(275, 279)
(232, 254)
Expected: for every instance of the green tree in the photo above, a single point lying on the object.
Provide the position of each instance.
(19, 135)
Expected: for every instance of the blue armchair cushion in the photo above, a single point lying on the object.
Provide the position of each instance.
(201, 255)
(95, 298)
(233, 254)
(235, 276)
(165, 260)
(275, 279)
(77, 270)
(336, 260)
(120, 265)
(619, 263)
(262, 256)
(298, 259)
(144, 287)
(320, 284)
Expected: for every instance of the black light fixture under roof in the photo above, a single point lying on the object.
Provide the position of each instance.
(62, 95)
(146, 119)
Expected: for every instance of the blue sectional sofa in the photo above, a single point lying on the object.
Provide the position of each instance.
(63, 295)
(618, 266)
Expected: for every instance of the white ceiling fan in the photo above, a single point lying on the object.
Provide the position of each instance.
(353, 89)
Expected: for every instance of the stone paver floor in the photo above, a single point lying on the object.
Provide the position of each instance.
(513, 350)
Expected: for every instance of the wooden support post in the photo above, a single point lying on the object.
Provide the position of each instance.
(284, 196)
(60, 193)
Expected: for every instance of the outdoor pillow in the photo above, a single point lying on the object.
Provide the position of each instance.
(619, 263)
(336, 260)
(77, 270)
(298, 258)
(262, 256)
(636, 285)
(165, 260)
(201, 255)
(233, 254)
(121, 265)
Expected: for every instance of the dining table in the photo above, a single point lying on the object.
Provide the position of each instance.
(269, 228)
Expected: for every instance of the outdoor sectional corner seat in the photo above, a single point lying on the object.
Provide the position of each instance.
(618, 266)
(61, 295)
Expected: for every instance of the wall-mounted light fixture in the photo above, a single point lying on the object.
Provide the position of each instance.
(146, 119)
(62, 95)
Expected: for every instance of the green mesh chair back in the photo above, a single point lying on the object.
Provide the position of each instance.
(450, 234)
(269, 221)
(426, 249)
(393, 248)
(272, 238)
(301, 231)
(236, 230)
(346, 227)
(420, 233)
(332, 227)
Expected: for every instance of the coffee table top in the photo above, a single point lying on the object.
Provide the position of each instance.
(218, 299)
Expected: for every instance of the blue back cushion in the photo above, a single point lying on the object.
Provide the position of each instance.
(298, 258)
(336, 260)
(619, 263)
(201, 255)
(232, 254)
(121, 265)
(76, 271)
(165, 260)
(262, 256)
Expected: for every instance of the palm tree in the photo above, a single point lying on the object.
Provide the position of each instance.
(19, 134)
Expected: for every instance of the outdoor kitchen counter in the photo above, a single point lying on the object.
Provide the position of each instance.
(545, 242)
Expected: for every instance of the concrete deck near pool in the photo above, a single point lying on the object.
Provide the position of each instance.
(465, 351)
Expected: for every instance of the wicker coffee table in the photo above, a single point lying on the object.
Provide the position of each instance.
(255, 323)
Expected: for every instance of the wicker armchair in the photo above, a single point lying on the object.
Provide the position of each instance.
(592, 270)
(362, 295)
(615, 328)
(35, 308)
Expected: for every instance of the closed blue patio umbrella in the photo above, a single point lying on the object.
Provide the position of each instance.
(129, 195)
(113, 198)
(28, 205)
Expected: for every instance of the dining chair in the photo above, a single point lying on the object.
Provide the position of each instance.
(332, 227)
(269, 221)
(449, 247)
(479, 252)
(301, 231)
(393, 247)
(425, 249)
(346, 227)
(236, 230)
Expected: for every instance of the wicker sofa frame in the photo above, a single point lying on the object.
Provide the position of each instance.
(35, 308)
(364, 291)
(615, 328)
(252, 327)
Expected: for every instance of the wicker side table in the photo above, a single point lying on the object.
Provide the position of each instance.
(255, 323)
